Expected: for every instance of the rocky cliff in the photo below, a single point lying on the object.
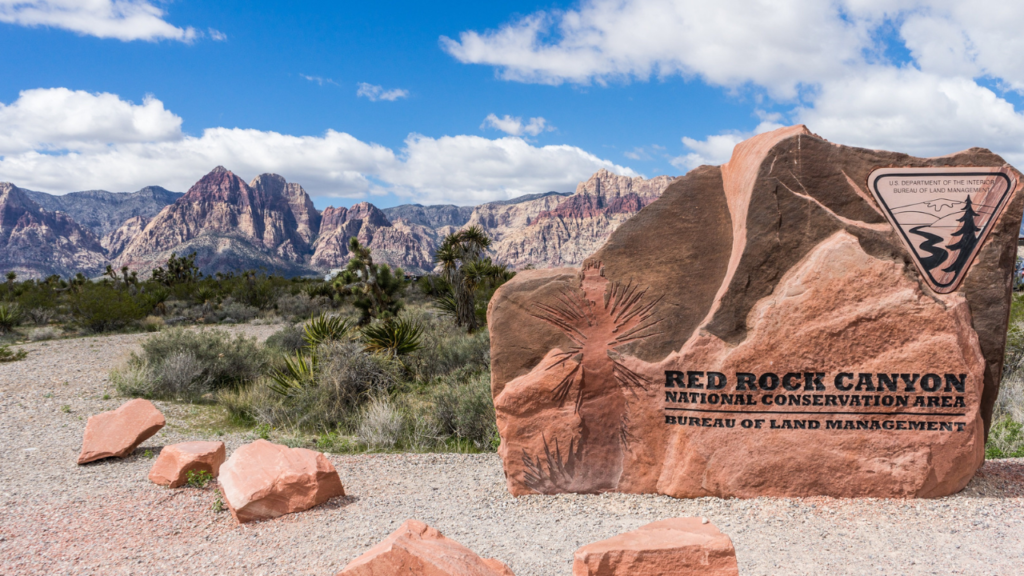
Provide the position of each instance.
(35, 242)
(409, 246)
(231, 225)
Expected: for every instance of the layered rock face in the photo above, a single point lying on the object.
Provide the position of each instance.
(35, 242)
(231, 225)
(761, 329)
(562, 231)
(406, 245)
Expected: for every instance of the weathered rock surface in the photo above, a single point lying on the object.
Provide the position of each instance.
(119, 432)
(177, 460)
(36, 243)
(625, 374)
(416, 548)
(406, 245)
(115, 242)
(231, 225)
(263, 480)
(678, 546)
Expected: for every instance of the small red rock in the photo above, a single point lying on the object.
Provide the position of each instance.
(119, 432)
(176, 461)
(264, 480)
(416, 548)
(678, 546)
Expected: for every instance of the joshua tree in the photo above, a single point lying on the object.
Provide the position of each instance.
(376, 287)
(466, 269)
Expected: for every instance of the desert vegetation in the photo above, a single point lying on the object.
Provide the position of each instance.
(366, 360)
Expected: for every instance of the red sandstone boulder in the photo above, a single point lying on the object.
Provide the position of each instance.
(119, 432)
(176, 461)
(263, 480)
(416, 548)
(678, 546)
(806, 319)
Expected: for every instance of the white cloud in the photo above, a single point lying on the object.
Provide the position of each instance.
(375, 93)
(217, 35)
(826, 63)
(319, 80)
(121, 146)
(515, 126)
(716, 149)
(121, 19)
(58, 118)
(774, 44)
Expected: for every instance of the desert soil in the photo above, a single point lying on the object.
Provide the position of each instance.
(106, 518)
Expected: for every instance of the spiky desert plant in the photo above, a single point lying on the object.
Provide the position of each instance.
(299, 371)
(325, 328)
(10, 316)
(393, 337)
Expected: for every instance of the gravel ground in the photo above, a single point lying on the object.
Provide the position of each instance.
(106, 518)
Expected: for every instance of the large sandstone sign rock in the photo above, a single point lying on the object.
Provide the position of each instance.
(807, 319)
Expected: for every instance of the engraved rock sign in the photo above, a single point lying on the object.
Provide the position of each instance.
(806, 319)
(943, 215)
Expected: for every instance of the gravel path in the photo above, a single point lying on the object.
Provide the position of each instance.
(106, 518)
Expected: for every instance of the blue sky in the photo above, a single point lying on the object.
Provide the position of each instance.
(117, 94)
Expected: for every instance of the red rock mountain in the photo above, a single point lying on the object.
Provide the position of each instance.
(272, 224)
(231, 225)
(35, 242)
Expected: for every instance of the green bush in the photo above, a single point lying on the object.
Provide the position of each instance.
(392, 337)
(445, 348)
(345, 379)
(463, 408)
(101, 308)
(1005, 439)
(10, 316)
(7, 356)
(288, 339)
(181, 363)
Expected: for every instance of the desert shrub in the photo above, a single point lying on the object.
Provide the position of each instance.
(44, 333)
(381, 424)
(463, 408)
(1005, 439)
(10, 316)
(392, 337)
(152, 323)
(132, 379)
(235, 311)
(324, 328)
(288, 339)
(180, 363)
(7, 356)
(294, 307)
(100, 308)
(445, 347)
(344, 379)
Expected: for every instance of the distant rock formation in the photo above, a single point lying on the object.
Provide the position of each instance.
(231, 226)
(272, 224)
(35, 242)
(102, 211)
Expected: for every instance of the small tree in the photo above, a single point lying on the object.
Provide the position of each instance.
(377, 289)
(968, 234)
(180, 270)
(466, 270)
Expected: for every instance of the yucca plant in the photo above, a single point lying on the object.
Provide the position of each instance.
(324, 328)
(10, 316)
(299, 372)
(392, 337)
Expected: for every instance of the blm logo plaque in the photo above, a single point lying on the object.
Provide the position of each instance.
(942, 214)
(759, 330)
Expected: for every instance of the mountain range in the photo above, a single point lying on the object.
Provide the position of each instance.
(271, 224)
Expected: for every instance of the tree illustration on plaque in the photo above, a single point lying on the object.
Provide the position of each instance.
(968, 233)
